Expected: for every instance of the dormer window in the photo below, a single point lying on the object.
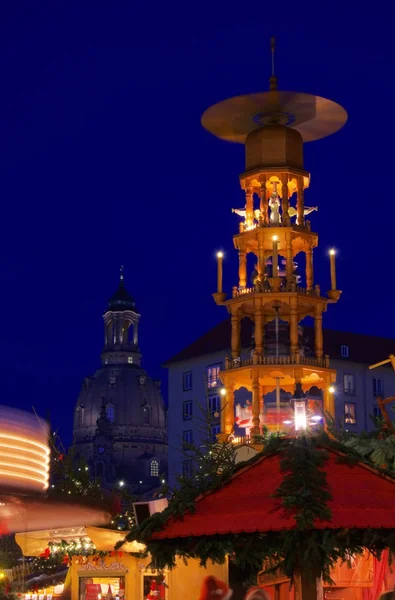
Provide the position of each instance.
(110, 413)
(344, 351)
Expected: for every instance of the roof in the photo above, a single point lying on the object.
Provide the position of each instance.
(361, 498)
(122, 300)
(362, 348)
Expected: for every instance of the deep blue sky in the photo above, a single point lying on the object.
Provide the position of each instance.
(104, 162)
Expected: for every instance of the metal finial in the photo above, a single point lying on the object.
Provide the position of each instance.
(121, 277)
(273, 78)
(273, 49)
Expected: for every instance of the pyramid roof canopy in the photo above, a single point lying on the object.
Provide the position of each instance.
(361, 498)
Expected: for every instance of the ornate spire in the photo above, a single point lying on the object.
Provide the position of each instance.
(122, 300)
(273, 78)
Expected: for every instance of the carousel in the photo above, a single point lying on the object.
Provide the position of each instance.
(74, 532)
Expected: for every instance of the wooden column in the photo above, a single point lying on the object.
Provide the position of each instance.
(300, 202)
(319, 341)
(329, 401)
(309, 268)
(261, 261)
(285, 200)
(228, 410)
(293, 326)
(255, 405)
(259, 331)
(249, 206)
(308, 586)
(242, 269)
(289, 258)
(263, 200)
(235, 341)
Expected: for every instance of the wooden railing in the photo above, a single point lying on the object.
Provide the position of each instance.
(312, 361)
(240, 292)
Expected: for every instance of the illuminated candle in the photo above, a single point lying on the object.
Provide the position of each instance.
(220, 256)
(275, 257)
(332, 254)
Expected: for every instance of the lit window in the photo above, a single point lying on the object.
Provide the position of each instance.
(187, 410)
(350, 413)
(213, 379)
(187, 468)
(215, 431)
(80, 415)
(349, 384)
(187, 381)
(146, 415)
(130, 360)
(110, 412)
(187, 438)
(344, 351)
(376, 411)
(154, 470)
(214, 406)
(378, 388)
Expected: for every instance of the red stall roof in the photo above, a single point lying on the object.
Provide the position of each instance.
(361, 498)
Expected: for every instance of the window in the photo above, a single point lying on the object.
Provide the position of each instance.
(130, 360)
(377, 411)
(187, 410)
(187, 468)
(214, 406)
(187, 381)
(212, 373)
(187, 438)
(154, 468)
(146, 415)
(215, 430)
(349, 384)
(378, 388)
(110, 413)
(344, 351)
(99, 469)
(80, 415)
(350, 413)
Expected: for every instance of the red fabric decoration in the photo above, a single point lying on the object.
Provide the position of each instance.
(61, 456)
(379, 569)
(66, 560)
(46, 554)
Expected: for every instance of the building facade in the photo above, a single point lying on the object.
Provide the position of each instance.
(195, 384)
(120, 416)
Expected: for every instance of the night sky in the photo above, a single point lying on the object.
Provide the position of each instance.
(104, 162)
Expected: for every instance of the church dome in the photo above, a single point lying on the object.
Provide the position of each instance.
(133, 403)
(120, 416)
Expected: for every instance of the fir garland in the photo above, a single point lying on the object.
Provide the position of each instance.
(304, 493)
